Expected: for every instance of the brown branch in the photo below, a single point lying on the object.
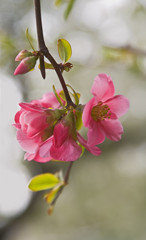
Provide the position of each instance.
(59, 74)
(45, 52)
(39, 24)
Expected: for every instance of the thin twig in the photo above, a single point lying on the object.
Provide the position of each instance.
(40, 35)
(45, 52)
(66, 178)
(68, 173)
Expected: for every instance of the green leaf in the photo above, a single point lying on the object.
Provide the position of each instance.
(76, 95)
(64, 50)
(43, 182)
(53, 195)
(117, 54)
(79, 123)
(62, 95)
(57, 96)
(29, 38)
(47, 66)
(68, 9)
(83, 150)
(49, 197)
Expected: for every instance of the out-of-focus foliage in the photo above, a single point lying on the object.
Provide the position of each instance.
(8, 47)
(69, 8)
(70, 4)
(128, 54)
(30, 39)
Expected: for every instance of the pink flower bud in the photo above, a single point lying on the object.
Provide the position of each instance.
(23, 54)
(26, 65)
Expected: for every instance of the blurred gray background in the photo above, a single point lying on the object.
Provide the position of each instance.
(106, 196)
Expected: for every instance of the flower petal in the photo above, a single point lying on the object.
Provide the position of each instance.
(61, 133)
(36, 122)
(112, 128)
(28, 144)
(29, 156)
(36, 157)
(31, 107)
(95, 134)
(49, 100)
(93, 149)
(44, 151)
(118, 105)
(17, 116)
(86, 117)
(103, 87)
(68, 151)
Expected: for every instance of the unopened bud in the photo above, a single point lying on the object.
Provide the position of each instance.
(26, 65)
(23, 54)
(67, 66)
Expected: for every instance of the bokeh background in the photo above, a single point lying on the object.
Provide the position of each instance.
(106, 196)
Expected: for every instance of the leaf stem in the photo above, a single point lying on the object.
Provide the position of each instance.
(45, 52)
(66, 178)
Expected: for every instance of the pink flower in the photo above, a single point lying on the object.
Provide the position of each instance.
(62, 146)
(101, 113)
(34, 123)
(47, 132)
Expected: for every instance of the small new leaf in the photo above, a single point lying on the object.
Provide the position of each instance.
(57, 96)
(47, 66)
(83, 150)
(75, 95)
(49, 197)
(78, 115)
(29, 38)
(64, 50)
(52, 196)
(43, 182)
(62, 95)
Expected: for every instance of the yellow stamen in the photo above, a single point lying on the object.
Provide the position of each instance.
(100, 112)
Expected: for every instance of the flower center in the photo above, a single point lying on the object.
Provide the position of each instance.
(100, 112)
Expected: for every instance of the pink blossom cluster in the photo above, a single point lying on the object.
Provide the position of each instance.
(47, 130)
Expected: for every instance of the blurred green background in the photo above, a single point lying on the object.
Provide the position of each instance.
(106, 196)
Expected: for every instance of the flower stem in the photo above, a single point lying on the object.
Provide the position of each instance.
(45, 52)
(61, 189)
(68, 172)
